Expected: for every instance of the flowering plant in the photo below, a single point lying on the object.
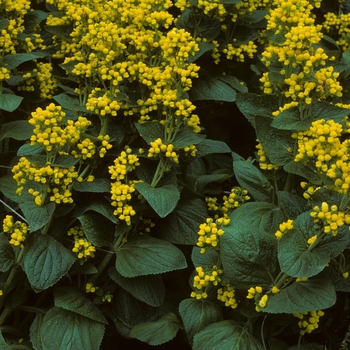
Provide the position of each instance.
(133, 209)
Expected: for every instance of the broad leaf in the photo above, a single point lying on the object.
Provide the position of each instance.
(63, 329)
(149, 289)
(150, 131)
(103, 208)
(10, 102)
(99, 185)
(162, 199)
(157, 332)
(148, 256)
(37, 216)
(34, 332)
(45, 261)
(212, 146)
(291, 204)
(328, 111)
(18, 130)
(225, 335)
(197, 314)
(13, 61)
(290, 119)
(7, 254)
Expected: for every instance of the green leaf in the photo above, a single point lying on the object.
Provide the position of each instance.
(71, 299)
(203, 48)
(27, 149)
(63, 329)
(33, 18)
(163, 199)
(9, 102)
(98, 206)
(304, 170)
(62, 32)
(4, 23)
(69, 102)
(291, 204)
(212, 146)
(207, 260)
(250, 178)
(263, 215)
(328, 111)
(182, 224)
(186, 137)
(65, 161)
(8, 187)
(150, 131)
(99, 185)
(237, 84)
(254, 17)
(148, 256)
(199, 182)
(249, 255)
(252, 105)
(37, 216)
(225, 335)
(3, 344)
(18, 130)
(290, 120)
(212, 88)
(294, 256)
(97, 229)
(197, 314)
(277, 144)
(7, 254)
(13, 61)
(34, 332)
(45, 261)
(315, 294)
(157, 332)
(149, 289)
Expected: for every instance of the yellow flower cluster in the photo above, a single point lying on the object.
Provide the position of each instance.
(4, 73)
(17, 231)
(122, 189)
(90, 288)
(256, 294)
(308, 321)
(302, 63)
(82, 247)
(285, 226)
(330, 217)
(338, 24)
(310, 190)
(321, 146)
(237, 197)
(158, 148)
(47, 83)
(102, 105)
(226, 294)
(204, 278)
(264, 162)
(210, 231)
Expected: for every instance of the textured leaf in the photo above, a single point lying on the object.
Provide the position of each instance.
(328, 111)
(291, 204)
(34, 333)
(290, 119)
(10, 102)
(197, 314)
(149, 289)
(63, 329)
(45, 261)
(225, 335)
(71, 299)
(186, 137)
(148, 256)
(13, 61)
(212, 146)
(7, 254)
(162, 199)
(157, 332)
(99, 185)
(18, 130)
(150, 131)
(103, 208)
(37, 216)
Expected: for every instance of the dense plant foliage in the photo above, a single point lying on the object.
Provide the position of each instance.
(174, 173)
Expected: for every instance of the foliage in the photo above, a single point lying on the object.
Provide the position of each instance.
(174, 173)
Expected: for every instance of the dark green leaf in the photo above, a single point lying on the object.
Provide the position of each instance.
(186, 137)
(290, 120)
(212, 146)
(197, 314)
(27, 149)
(277, 144)
(150, 131)
(252, 105)
(249, 255)
(62, 329)
(238, 85)
(34, 333)
(45, 261)
(149, 289)
(69, 102)
(65, 161)
(163, 199)
(3, 344)
(328, 111)
(37, 216)
(100, 207)
(18, 130)
(263, 215)
(71, 299)
(157, 332)
(291, 204)
(33, 18)
(9, 102)
(62, 32)
(99, 185)
(182, 224)
(148, 256)
(97, 229)
(212, 88)
(250, 178)
(4, 23)
(315, 294)
(13, 61)
(203, 48)
(207, 260)
(306, 171)
(7, 254)
(225, 335)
